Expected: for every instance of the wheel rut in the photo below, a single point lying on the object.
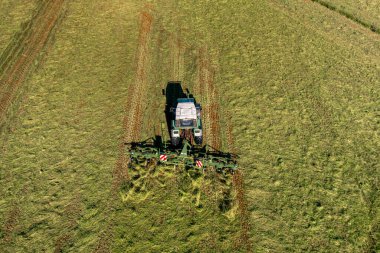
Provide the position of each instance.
(133, 117)
(213, 114)
(17, 66)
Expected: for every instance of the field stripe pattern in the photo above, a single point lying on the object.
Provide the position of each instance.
(16, 70)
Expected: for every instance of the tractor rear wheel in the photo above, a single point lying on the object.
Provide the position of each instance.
(175, 141)
(198, 140)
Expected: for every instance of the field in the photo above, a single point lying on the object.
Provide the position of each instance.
(291, 86)
(12, 15)
(365, 11)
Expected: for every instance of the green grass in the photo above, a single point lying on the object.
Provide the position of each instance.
(65, 146)
(365, 12)
(303, 105)
(302, 91)
(12, 15)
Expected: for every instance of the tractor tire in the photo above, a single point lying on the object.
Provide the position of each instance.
(198, 140)
(175, 141)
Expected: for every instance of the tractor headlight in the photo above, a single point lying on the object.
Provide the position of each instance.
(175, 133)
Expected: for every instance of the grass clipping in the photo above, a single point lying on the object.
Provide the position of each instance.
(201, 188)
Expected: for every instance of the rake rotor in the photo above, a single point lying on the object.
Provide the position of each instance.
(191, 157)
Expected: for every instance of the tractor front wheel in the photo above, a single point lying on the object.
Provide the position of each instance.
(198, 140)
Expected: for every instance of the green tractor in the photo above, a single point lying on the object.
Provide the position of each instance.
(183, 116)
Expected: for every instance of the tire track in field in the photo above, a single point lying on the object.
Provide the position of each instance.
(212, 116)
(15, 75)
(32, 46)
(137, 93)
(177, 58)
(341, 11)
(205, 86)
(238, 183)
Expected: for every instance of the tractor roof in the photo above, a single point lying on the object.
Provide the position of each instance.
(185, 110)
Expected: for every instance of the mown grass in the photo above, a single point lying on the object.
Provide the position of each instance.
(64, 149)
(166, 210)
(302, 93)
(304, 114)
(57, 162)
(364, 12)
(170, 209)
(12, 15)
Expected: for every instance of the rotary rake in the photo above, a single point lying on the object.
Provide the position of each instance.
(160, 151)
(184, 145)
(189, 156)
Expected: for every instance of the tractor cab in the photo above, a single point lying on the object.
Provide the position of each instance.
(186, 113)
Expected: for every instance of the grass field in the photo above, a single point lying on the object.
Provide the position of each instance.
(297, 83)
(12, 14)
(366, 11)
(308, 140)
(69, 127)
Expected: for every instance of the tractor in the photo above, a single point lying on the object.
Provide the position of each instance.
(183, 115)
(185, 148)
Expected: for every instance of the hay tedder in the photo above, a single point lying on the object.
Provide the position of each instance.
(183, 122)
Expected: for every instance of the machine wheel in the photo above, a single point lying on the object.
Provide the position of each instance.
(198, 140)
(175, 141)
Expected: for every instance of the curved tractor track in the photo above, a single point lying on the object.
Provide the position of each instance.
(31, 44)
